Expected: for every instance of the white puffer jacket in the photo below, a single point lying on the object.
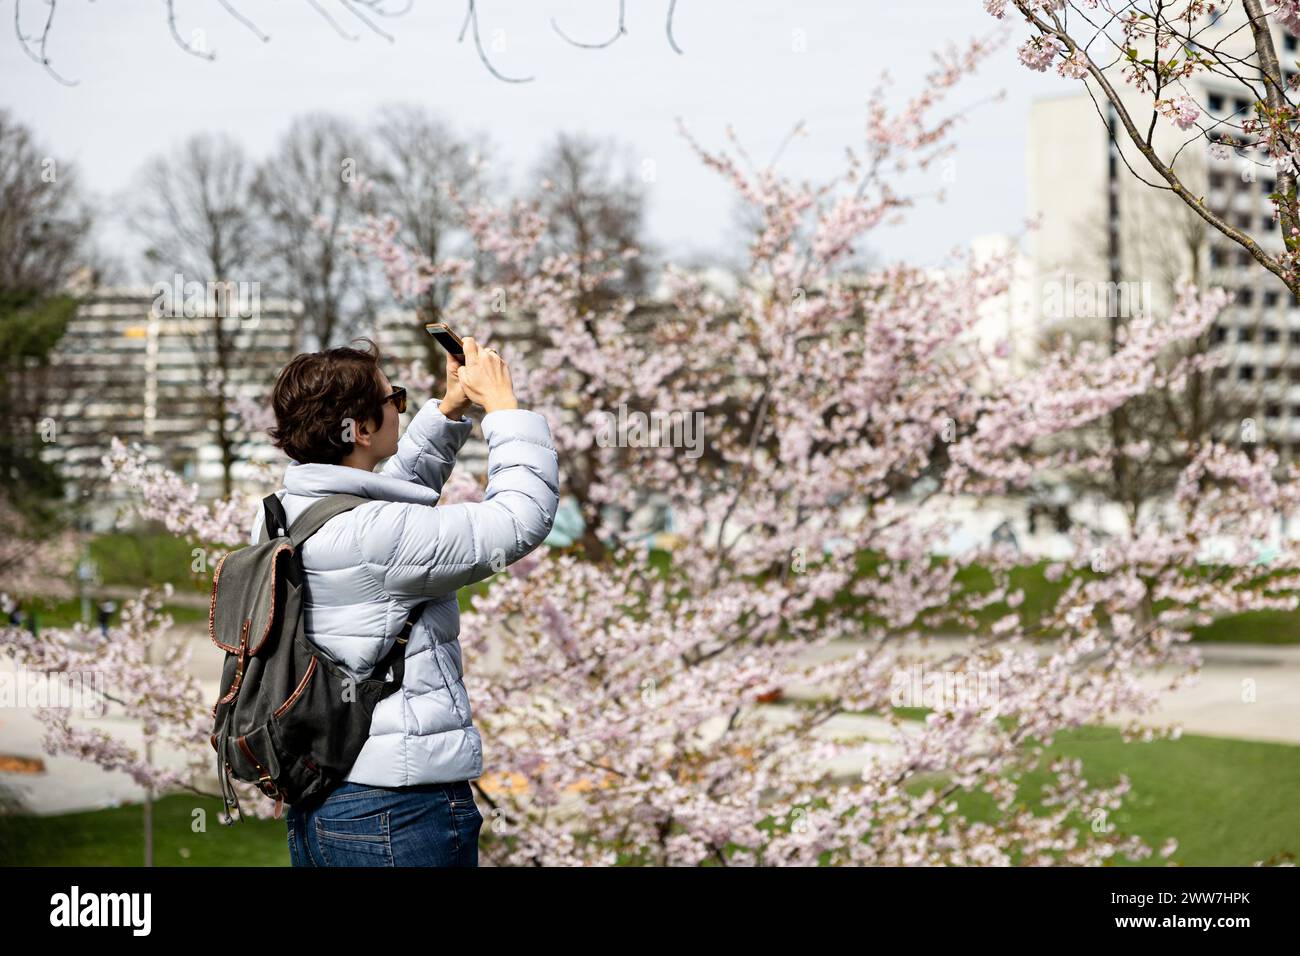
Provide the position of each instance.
(368, 567)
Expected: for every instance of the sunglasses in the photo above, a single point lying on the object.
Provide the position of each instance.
(398, 398)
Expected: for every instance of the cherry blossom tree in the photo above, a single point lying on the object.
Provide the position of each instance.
(841, 412)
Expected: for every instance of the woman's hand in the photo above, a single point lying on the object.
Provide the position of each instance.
(454, 403)
(485, 378)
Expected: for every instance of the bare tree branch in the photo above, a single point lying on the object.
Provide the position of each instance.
(621, 31)
(365, 11)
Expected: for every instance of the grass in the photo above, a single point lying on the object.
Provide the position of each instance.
(1254, 627)
(1227, 802)
(115, 837)
(144, 558)
(65, 613)
(1041, 595)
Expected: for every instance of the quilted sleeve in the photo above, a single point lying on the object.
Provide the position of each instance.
(420, 552)
(427, 450)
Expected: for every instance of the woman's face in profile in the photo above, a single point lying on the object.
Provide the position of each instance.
(384, 442)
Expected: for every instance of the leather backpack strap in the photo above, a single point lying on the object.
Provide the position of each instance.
(307, 524)
(274, 520)
(311, 520)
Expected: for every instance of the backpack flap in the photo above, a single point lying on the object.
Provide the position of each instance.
(245, 587)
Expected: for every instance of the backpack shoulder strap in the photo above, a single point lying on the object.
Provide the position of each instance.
(307, 523)
(273, 519)
(311, 520)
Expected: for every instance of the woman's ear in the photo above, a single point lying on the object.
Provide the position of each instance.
(362, 435)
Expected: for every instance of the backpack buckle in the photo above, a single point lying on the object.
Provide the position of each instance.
(267, 785)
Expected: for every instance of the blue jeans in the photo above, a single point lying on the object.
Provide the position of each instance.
(429, 824)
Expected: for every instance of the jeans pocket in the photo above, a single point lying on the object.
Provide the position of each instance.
(459, 794)
(355, 841)
(469, 824)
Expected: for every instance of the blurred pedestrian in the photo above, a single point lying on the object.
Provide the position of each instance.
(107, 608)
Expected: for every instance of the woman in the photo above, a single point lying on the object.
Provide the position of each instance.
(407, 799)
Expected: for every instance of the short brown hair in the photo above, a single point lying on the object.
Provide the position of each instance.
(314, 396)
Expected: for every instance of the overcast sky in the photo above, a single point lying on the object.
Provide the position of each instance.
(138, 94)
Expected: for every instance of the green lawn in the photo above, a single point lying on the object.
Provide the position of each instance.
(1228, 802)
(140, 559)
(115, 837)
(66, 613)
(1041, 595)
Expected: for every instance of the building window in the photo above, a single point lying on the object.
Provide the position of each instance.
(1271, 335)
(1268, 185)
(1244, 257)
(1271, 373)
(1270, 299)
(1295, 411)
(1245, 296)
(1241, 106)
(1215, 102)
(1272, 411)
(1245, 335)
(1246, 373)
(1216, 180)
(1220, 334)
(1244, 219)
(1289, 42)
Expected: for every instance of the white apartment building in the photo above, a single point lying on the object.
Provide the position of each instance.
(1108, 244)
(129, 369)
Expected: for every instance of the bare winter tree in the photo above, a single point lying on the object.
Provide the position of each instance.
(196, 212)
(306, 192)
(44, 227)
(43, 219)
(418, 159)
(594, 201)
(1160, 243)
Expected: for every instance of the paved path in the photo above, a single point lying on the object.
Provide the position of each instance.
(1214, 707)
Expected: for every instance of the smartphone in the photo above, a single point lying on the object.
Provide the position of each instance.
(448, 339)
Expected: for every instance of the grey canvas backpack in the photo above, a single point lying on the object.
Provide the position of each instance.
(288, 719)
